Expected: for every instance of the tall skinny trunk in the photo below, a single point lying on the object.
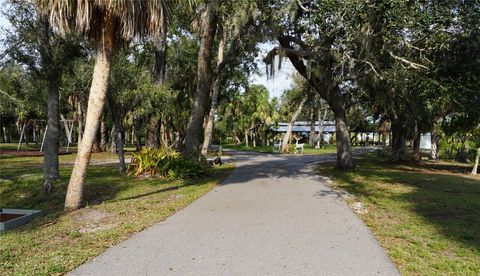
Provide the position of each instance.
(137, 134)
(311, 140)
(96, 101)
(160, 41)
(215, 92)
(80, 123)
(288, 134)
(195, 122)
(435, 142)
(51, 144)
(117, 136)
(103, 134)
(320, 126)
(475, 167)
(160, 52)
(66, 128)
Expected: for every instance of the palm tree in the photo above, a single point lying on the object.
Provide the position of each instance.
(108, 23)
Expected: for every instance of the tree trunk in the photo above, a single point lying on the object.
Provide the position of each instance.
(51, 145)
(117, 136)
(246, 138)
(137, 134)
(435, 144)
(2, 133)
(320, 127)
(215, 92)
(345, 160)
(103, 134)
(153, 137)
(398, 141)
(96, 101)
(96, 142)
(113, 139)
(416, 146)
(195, 122)
(288, 134)
(80, 123)
(160, 52)
(66, 127)
(163, 134)
(462, 154)
(475, 167)
(312, 127)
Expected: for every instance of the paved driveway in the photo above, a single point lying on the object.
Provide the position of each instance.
(272, 216)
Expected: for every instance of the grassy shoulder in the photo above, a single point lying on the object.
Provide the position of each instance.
(426, 215)
(308, 149)
(117, 207)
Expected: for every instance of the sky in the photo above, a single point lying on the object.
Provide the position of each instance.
(275, 85)
(282, 79)
(3, 20)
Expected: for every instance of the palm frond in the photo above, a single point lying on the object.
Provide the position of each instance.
(132, 17)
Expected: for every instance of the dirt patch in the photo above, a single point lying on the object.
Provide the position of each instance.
(90, 215)
(27, 153)
(92, 220)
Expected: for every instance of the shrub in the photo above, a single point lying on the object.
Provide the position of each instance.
(164, 162)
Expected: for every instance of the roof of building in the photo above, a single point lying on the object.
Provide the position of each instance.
(303, 126)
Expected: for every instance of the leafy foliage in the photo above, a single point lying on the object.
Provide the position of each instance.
(164, 162)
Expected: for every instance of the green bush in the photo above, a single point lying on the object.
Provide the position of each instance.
(164, 162)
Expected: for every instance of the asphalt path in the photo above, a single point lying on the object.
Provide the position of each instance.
(272, 216)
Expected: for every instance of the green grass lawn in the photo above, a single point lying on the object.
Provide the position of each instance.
(117, 207)
(426, 215)
(308, 149)
(13, 146)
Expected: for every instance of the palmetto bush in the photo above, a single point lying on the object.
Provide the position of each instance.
(164, 162)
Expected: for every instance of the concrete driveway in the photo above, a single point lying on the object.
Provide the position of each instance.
(272, 216)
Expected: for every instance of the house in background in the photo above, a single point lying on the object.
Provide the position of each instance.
(302, 129)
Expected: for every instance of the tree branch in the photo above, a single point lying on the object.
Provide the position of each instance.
(410, 64)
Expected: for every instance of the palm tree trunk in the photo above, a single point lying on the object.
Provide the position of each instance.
(96, 101)
(215, 92)
(195, 122)
(288, 134)
(475, 167)
(51, 144)
(160, 52)
(160, 41)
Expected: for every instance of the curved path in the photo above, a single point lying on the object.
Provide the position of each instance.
(272, 216)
